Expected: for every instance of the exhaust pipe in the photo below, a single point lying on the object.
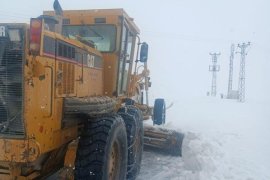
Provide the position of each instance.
(59, 16)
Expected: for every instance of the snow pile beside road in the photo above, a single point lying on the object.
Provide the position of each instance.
(225, 140)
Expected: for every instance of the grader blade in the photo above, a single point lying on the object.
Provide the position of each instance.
(163, 140)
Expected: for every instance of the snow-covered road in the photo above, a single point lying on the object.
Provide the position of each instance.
(225, 140)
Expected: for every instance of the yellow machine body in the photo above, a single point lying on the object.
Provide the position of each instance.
(50, 76)
(43, 68)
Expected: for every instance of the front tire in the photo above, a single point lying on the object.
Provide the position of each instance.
(102, 150)
(159, 112)
(134, 125)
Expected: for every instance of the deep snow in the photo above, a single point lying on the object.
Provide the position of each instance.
(225, 140)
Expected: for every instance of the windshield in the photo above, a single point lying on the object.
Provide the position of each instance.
(103, 36)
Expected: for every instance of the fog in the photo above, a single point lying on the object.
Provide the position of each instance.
(181, 34)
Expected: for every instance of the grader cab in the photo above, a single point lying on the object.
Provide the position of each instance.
(73, 98)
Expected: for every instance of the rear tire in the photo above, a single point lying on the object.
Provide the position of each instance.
(102, 150)
(134, 125)
(159, 114)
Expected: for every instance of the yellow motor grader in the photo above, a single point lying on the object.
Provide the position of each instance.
(72, 97)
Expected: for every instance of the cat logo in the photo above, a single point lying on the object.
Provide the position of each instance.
(2, 31)
(90, 60)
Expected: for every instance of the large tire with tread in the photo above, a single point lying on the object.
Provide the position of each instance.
(134, 124)
(92, 106)
(159, 112)
(102, 149)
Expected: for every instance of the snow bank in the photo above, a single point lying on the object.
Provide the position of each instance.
(225, 140)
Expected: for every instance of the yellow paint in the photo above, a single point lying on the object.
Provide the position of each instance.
(43, 102)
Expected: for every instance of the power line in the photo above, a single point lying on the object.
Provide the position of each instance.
(14, 13)
(3, 15)
(184, 37)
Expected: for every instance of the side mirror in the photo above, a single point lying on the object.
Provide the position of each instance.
(144, 52)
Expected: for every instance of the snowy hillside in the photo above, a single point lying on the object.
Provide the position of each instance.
(225, 140)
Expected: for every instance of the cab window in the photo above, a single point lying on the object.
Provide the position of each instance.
(103, 36)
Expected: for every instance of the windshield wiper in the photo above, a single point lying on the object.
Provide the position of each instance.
(96, 33)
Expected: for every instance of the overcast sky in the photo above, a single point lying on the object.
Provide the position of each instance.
(181, 33)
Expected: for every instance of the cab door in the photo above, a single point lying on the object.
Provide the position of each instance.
(125, 60)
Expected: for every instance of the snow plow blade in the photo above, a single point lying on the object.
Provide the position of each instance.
(163, 140)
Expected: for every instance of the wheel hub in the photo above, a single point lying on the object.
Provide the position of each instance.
(114, 162)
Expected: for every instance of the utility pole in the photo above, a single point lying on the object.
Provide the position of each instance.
(214, 69)
(242, 73)
(231, 72)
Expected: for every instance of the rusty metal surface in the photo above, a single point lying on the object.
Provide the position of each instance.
(19, 150)
(168, 141)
